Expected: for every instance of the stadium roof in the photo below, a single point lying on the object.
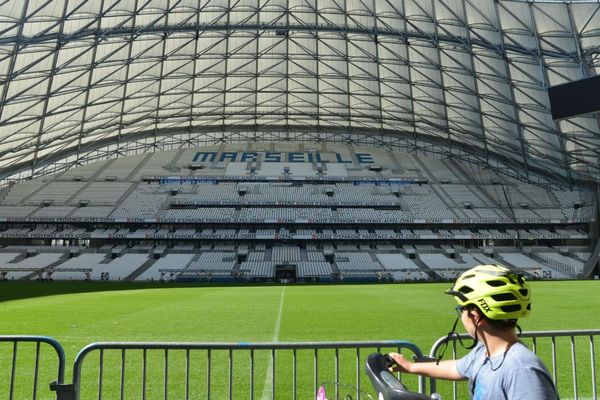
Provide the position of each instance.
(82, 80)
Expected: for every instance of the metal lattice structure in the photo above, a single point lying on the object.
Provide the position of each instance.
(83, 80)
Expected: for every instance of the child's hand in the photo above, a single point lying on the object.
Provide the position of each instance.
(401, 363)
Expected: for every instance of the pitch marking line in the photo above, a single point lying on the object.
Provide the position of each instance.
(268, 386)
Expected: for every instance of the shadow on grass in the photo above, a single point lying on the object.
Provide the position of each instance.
(17, 290)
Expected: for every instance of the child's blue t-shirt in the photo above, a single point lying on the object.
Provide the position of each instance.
(517, 374)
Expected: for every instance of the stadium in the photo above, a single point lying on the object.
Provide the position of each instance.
(299, 146)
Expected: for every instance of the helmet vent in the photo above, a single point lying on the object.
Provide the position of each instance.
(504, 297)
(524, 292)
(496, 283)
(465, 289)
(511, 308)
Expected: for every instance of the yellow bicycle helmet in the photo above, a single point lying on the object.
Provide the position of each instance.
(498, 292)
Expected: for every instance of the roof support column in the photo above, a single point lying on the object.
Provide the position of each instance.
(225, 72)
(476, 84)
(347, 59)
(378, 62)
(513, 98)
(59, 42)
(127, 67)
(90, 72)
(287, 77)
(194, 72)
(162, 74)
(256, 58)
(441, 70)
(544, 76)
(410, 81)
(317, 62)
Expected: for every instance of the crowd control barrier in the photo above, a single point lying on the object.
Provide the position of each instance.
(225, 370)
(32, 365)
(570, 357)
(28, 364)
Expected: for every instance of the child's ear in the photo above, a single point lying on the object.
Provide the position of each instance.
(475, 315)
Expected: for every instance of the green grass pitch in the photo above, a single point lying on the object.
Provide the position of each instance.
(77, 314)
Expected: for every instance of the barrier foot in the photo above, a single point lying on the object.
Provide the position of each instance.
(63, 391)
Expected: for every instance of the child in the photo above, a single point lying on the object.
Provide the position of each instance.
(499, 367)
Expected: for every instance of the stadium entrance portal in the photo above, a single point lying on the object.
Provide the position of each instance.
(285, 272)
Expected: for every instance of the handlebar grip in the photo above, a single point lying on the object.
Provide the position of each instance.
(389, 361)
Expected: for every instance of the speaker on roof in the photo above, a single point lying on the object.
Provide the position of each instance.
(575, 98)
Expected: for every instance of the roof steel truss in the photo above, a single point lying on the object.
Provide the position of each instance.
(469, 75)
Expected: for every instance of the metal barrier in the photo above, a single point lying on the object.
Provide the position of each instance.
(32, 361)
(225, 370)
(276, 370)
(578, 354)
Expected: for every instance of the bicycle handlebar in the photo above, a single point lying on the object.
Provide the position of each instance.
(385, 383)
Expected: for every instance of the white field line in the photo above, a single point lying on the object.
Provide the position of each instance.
(268, 386)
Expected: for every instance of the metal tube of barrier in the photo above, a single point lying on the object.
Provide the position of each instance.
(316, 371)
(187, 374)
(144, 372)
(36, 369)
(294, 388)
(251, 374)
(554, 365)
(166, 381)
(230, 372)
(122, 378)
(337, 372)
(13, 371)
(574, 365)
(101, 374)
(273, 374)
(593, 368)
(209, 354)
(358, 369)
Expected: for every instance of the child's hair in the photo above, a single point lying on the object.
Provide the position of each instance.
(498, 324)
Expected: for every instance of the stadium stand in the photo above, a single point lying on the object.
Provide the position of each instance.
(164, 216)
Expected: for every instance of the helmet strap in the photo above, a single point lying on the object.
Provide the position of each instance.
(454, 334)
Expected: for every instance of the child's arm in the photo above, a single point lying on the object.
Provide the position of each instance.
(443, 370)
